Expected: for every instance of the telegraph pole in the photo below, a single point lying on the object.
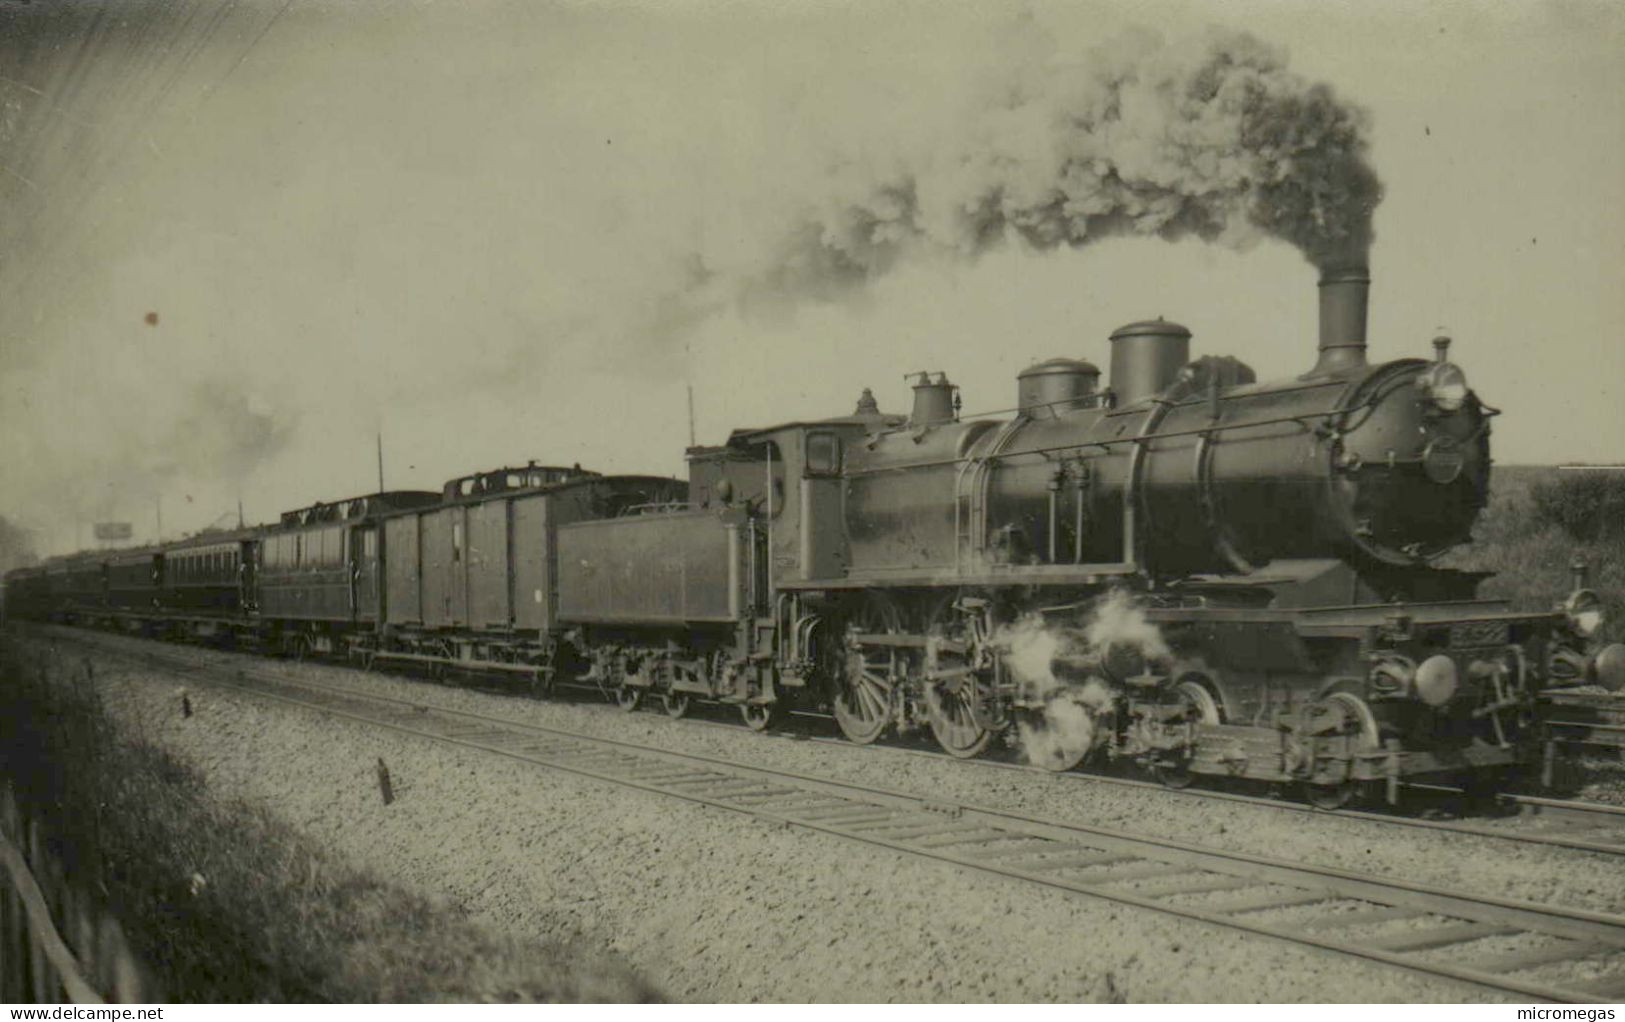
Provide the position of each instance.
(380, 461)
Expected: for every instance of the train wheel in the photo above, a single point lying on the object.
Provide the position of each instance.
(628, 697)
(1331, 797)
(676, 704)
(1199, 707)
(1175, 774)
(866, 679)
(758, 716)
(1058, 737)
(1346, 714)
(954, 712)
(959, 706)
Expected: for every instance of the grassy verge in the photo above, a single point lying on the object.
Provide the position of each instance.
(1523, 539)
(226, 903)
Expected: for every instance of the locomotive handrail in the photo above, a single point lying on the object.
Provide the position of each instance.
(1100, 397)
(1107, 443)
(1368, 404)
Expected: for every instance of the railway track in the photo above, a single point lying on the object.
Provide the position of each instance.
(1576, 825)
(1571, 824)
(1530, 950)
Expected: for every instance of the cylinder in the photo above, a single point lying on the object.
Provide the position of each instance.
(1343, 296)
(1058, 385)
(1146, 357)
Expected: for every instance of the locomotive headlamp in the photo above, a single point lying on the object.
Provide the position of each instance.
(1585, 612)
(1608, 668)
(1436, 680)
(1445, 385)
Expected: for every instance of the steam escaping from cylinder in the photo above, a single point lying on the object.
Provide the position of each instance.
(1209, 137)
(1120, 622)
(1064, 730)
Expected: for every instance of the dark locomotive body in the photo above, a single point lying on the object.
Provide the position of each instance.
(1187, 568)
(1192, 569)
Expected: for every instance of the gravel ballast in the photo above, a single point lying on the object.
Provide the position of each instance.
(714, 906)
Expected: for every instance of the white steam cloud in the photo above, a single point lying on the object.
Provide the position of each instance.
(1065, 730)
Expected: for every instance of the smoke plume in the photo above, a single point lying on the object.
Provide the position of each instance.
(1210, 137)
(1115, 632)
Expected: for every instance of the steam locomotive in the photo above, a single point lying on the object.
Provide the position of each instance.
(1186, 568)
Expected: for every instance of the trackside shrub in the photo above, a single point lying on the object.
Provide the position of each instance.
(1589, 506)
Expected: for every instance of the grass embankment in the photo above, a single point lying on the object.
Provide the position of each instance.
(224, 902)
(1539, 519)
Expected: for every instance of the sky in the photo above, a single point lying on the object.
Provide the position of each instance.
(240, 241)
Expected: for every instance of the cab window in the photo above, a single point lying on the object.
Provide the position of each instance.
(823, 454)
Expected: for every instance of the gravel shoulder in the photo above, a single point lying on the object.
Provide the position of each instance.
(713, 906)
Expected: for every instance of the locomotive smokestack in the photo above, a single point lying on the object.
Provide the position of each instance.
(1343, 296)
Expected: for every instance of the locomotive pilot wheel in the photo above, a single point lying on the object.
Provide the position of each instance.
(1345, 714)
(866, 678)
(1200, 708)
(676, 703)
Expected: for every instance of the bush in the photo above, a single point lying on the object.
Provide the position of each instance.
(1588, 506)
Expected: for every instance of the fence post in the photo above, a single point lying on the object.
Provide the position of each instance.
(127, 981)
(8, 955)
(42, 985)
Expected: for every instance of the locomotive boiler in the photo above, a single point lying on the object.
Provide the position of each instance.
(1184, 468)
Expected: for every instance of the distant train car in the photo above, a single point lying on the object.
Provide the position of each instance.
(84, 586)
(24, 595)
(209, 577)
(472, 581)
(135, 580)
(316, 577)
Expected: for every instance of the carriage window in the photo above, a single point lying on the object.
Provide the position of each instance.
(456, 542)
(369, 544)
(823, 454)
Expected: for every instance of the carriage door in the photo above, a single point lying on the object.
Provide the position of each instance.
(363, 561)
(246, 584)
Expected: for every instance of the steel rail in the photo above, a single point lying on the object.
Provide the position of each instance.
(1041, 850)
(1603, 831)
